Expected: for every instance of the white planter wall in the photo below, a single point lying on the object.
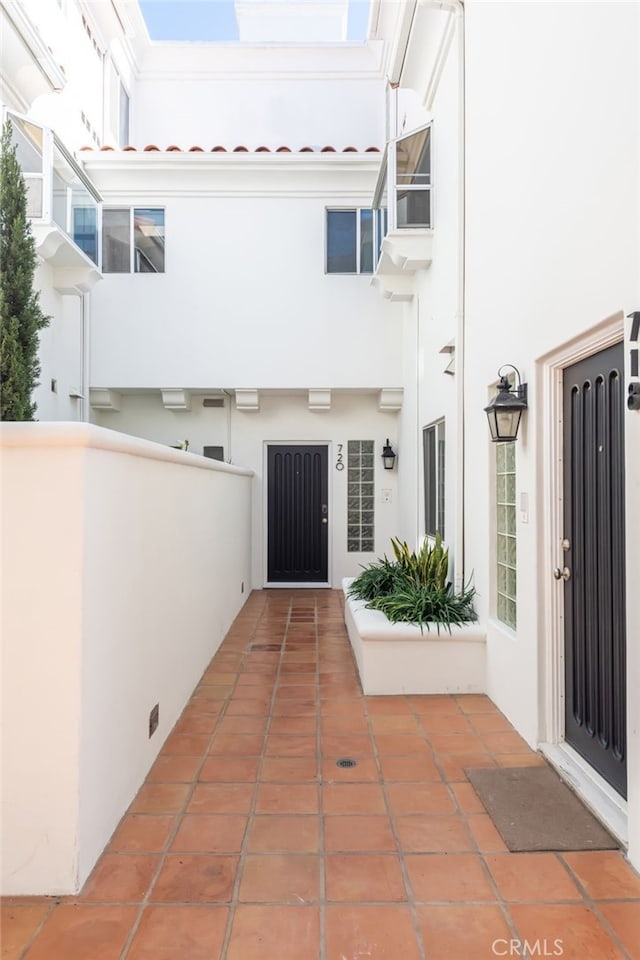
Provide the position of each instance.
(123, 569)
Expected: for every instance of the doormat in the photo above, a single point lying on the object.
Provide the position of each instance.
(533, 809)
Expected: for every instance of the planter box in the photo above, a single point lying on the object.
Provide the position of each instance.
(395, 658)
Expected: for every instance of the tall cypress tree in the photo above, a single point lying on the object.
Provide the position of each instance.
(21, 317)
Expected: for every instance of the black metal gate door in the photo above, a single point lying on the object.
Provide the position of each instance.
(297, 514)
(594, 571)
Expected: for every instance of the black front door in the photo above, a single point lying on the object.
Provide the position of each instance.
(298, 514)
(594, 562)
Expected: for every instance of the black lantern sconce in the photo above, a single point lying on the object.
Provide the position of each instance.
(388, 456)
(505, 410)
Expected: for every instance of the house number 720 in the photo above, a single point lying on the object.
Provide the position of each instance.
(339, 460)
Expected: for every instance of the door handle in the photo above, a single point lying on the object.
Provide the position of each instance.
(563, 574)
(324, 520)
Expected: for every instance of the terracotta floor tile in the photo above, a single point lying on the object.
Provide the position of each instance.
(605, 874)
(394, 723)
(272, 834)
(345, 725)
(463, 931)
(237, 745)
(169, 933)
(576, 927)
(453, 766)
(419, 798)
(195, 878)
(365, 770)
(531, 876)
(494, 722)
(221, 798)
(487, 838)
(466, 798)
(280, 745)
(287, 798)
(140, 833)
(247, 708)
(299, 691)
(202, 708)
(18, 924)
(289, 769)
(413, 768)
(358, 833)
(280, 878)
(242, 725)
(230, 769)
(210, 691)
(210, 833)
(505, 742)
(346, 745)
(121, 877)
(402, 744)
(519, 759)
(448, 877)
(358, 798)
(342, 708)
(300, 725)
(428, 834)
(456, 743)
(160, 798)
(364, 877)
(193, 745)
(172, 769)
(295, 708)
(476, 703)
(445, 723)
(262, 933)
(84, 932)
(200, 723)
(371, 932)
(396, 706)
(624, 918)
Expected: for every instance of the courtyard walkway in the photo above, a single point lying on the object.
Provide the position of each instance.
(249, 841)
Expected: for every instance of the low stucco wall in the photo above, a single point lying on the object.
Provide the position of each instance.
(397, 658)
(124, 564)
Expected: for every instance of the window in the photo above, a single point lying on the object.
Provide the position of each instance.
(353, 240)
(360, 496)
(506, 532)
(119, 108)
(405, 177)
(133, 240)
(433, 450)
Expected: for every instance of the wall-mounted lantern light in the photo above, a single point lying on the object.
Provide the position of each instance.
(388, 456)
(505, 410)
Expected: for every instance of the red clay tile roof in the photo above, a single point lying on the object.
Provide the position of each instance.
(173, 148)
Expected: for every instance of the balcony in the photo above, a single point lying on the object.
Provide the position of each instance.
(62, 205)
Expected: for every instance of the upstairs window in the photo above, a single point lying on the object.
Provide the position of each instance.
(433, 449)
(353, 239)
(405, 179)
(133, 240)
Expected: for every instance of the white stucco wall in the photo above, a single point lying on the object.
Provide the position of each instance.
(117, 591)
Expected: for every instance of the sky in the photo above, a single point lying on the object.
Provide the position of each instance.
(216, 20)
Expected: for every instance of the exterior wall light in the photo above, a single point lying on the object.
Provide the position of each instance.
(505, 410)
(388, 456)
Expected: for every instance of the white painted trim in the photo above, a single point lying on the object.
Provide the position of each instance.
(308, 585)
(589, 785)
(599, 796)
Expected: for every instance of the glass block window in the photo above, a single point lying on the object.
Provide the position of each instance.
(360, 496)
(506, 532)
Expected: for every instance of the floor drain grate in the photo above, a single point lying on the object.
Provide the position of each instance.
(346, 762)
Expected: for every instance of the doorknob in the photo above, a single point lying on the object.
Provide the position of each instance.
(324, 520)
(563, 574)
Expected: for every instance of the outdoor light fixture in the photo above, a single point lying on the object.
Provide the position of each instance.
(505, 410)
(388, 456)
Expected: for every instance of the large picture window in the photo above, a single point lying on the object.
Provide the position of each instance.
(433, 448)
(353, 240)
(133, 240)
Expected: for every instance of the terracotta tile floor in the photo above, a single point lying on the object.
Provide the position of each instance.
(247, 842)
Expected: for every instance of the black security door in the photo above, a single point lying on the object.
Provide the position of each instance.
(594, 564)
(298, 517)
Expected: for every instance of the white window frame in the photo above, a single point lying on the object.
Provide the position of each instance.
(132, 246)
(439, 492)
(376, 215)
(387, 177)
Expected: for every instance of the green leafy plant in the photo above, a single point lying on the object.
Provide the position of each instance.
(413, 588)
